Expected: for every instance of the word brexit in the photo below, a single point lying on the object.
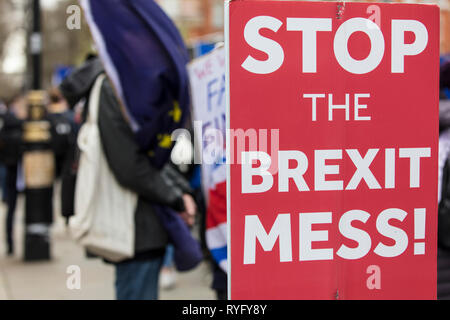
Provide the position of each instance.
(322, 169)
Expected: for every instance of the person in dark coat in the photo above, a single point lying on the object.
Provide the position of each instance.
(10, 153)
(443, 260)
(136, 278)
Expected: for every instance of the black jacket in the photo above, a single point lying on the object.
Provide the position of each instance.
(132, 167)
(133, 170)
(10, 139)
(444, 237)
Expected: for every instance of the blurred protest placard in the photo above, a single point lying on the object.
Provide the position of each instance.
(207, 78)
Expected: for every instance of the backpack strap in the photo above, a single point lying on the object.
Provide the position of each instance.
(94, 99)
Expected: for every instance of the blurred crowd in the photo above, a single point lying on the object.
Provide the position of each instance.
(175, 186)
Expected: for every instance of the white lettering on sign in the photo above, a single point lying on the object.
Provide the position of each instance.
(355, 234)
(332, 107)
(400, 49)
(271, 47)
(398, 235)
(341, 45)
(296, 174)
(311, 27)
(307, 236)
(281, 231)
(263, 171)
(322, 169)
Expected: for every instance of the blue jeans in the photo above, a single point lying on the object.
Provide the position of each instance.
(168, 257)
(138, 280)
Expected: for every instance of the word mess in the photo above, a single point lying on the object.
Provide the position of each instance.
(281, 231)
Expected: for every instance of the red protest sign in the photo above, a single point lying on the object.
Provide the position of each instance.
(333, 118)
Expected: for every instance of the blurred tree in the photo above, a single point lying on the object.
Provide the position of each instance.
(11, 29)
(5, 25)
(61, 45)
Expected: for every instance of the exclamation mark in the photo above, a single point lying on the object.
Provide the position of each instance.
(419, 230)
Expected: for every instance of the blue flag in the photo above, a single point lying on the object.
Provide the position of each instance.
(145, 58)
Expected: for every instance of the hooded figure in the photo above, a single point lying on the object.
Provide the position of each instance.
(136, 278)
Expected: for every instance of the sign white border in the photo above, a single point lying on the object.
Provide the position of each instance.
(227, 97)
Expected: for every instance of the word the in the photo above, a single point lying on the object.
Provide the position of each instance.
(345, 107)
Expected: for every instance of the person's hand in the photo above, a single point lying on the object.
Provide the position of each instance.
(190, 210)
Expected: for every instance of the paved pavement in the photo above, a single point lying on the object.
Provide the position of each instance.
(47, 280)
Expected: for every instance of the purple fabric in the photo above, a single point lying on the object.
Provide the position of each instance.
(149, 56)
(188, 253)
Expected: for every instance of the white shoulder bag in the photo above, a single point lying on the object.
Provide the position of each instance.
(104, 210)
